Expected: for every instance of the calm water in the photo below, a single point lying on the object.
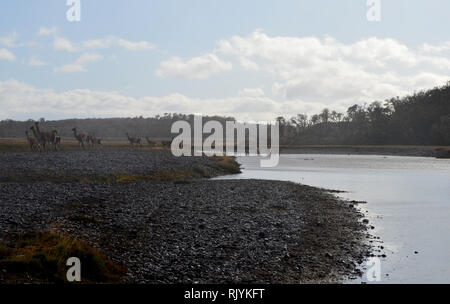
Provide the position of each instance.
(408, 203)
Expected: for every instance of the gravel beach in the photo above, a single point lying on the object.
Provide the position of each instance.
(184, 231)
(92, 165)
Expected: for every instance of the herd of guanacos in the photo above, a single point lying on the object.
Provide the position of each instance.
(43, 141)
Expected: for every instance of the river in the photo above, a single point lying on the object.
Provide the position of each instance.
(408, 202)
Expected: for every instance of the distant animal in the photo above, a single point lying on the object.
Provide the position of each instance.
(40, 140)
(33, 142)
(57, 142)
(80, 137)
(133, 140)
(89, 140)
(96, 141)
(150, 142)
(46, 137)
(84, 138)
(93, 140)
(166, 144)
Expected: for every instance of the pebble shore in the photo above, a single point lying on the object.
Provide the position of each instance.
(185, 231)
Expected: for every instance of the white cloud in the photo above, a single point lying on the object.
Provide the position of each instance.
(97, 44)
(442, 47)
(87, 58)
(80, 64)
(328, 71)
(248, 64)
(110, 41)
(20, 100)
(36, 62)
(46, 31)
(63, 44)
(10, 40)
(196, 68)
(135, 46)
(305, 74)
(70, 68)
(251, 92)
(103, 43)
(7, 55)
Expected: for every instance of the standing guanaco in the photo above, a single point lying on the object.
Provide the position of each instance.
(34, 145)
(133, 140)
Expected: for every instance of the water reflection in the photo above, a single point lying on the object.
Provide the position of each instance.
(408, 203)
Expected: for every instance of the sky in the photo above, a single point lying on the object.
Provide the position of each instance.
(253, 59)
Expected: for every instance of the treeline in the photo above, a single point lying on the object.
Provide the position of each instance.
(419, 119)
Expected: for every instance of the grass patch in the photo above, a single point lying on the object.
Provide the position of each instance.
(41, 258)
(229, 164)
(172, 175)
(164, 175)
(14, 146)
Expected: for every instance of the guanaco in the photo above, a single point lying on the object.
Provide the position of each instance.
(150, 142)
(95, 141)
(79, 137)
(46, 137)
(34, 145)
(57, 142)
(39, 139)
(133, 141)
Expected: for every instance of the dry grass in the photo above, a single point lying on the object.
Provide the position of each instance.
(164, 175)
(14, 145)
(41, 258)
(229, 164)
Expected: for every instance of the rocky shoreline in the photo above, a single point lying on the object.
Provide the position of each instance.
(189, 230)
(107, 165)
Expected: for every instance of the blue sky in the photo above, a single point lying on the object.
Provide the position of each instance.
(250, 59)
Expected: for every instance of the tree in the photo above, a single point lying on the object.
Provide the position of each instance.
(301, 120)
(315, 119)
(441, 130)
(325, 115)
(356, 113)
